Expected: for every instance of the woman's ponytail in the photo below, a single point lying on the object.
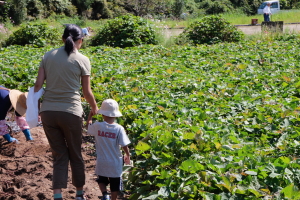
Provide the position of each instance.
(71, 34)
(69, 45)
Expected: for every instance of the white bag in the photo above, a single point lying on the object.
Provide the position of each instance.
(32, 112)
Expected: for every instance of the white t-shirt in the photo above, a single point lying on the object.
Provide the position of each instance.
(267, 10)
(109, 138)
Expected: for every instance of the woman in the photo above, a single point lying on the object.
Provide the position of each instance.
(17, 100)
(65, 71)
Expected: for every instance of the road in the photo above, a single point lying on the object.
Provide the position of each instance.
(247, 29)
(251, 30)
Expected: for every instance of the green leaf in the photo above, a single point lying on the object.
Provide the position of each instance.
(142, 147)
(191, 166)
(291, 192)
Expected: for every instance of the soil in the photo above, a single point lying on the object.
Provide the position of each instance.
(26, 169)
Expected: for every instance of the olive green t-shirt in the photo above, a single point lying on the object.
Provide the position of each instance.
(63, 80)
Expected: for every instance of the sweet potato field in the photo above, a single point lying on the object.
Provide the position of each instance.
(207, 122)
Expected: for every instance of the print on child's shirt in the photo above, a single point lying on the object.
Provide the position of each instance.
(106, 134)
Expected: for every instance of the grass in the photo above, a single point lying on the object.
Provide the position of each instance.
(291, 16)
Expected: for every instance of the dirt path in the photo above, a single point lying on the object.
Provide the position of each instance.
(26, 169)
(249, 30)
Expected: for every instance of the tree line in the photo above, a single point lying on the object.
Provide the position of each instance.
(20, 10)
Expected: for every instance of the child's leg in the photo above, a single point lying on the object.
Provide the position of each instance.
(4, 131)
(115, 184)
(21, 122)
(102, 182)
(102, 187)
(114, 195)
(3, 128)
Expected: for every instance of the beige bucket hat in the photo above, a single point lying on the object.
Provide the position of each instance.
(18, 101)
(110, 108)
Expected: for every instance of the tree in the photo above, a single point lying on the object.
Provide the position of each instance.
(178, 7)
(216, 6)
(103, 9)
(82, 5)
(18, 11)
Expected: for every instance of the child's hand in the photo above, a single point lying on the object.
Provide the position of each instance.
(127, 159)
(89, 120)
(88, 123)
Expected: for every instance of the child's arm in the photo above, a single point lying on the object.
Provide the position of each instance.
(127, 155)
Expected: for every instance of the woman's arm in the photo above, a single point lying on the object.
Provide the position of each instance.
(39, 80)
(87, 93)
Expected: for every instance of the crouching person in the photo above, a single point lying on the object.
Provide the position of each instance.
(17, 100)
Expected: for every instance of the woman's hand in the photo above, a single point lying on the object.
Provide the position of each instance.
(94, 111)
(39, 80)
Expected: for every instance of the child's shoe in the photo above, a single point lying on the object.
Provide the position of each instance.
(10, 139)
(80, 198)
(14, 140)
(106, 197)
(27, 134)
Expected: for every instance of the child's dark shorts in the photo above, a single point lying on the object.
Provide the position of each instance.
(115, 183)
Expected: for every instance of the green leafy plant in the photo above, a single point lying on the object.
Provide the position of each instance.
(125, 31)
(208, 122)
(210, 30)
(38, 35)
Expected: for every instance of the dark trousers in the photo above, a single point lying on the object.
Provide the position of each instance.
(266, 17)
(64, 133)
(5, 104)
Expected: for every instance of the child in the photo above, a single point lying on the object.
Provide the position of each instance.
(17, 100)
(109, 137)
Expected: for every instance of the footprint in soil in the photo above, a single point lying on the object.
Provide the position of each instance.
(8, 149)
